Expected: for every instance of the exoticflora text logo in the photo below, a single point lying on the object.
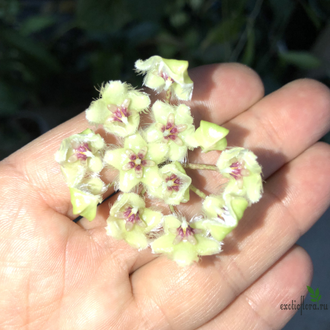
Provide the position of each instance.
(315, 298)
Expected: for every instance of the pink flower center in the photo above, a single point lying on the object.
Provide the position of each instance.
(173, 183)
(238, 171)
(120, 113)
(81, 151)
(132, 218)
(166, 77)
(186, 233)
(171, 131)
(137, 161)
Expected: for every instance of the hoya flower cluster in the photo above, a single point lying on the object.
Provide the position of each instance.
(151, 162)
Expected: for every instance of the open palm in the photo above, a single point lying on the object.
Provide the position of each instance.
(56, 274)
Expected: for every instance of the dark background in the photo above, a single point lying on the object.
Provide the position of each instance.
(54, 53)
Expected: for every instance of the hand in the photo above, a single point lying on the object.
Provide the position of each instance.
(56, 274)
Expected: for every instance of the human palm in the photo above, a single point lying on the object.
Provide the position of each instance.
(56, 274)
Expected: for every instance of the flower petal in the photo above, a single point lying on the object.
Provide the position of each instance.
(163, 244)
(151, 218)
(218, 231)
(161, 111)
(95, 164)
(127, 180)
(135, 142)
(73, 173)
(236, 204)
(151, 176)
(207, 246)
(176, 152)
(170, 221)
(157, 152)
(137, 238)
(153, 134)
(97, 112)
(116, 158)
(253, 184)
(114, 92)
(139, 101)
(94, 186)
(184, 256)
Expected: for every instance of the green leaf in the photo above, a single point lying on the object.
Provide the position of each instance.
(317, 292)
(9, 103)
(300, 59)
(313, 16)
(319, 297)
(278, 6)
(233, 8)
(195, 4)
(106, 16)
(310, 290)
(9, 10)
(249, 50)
(226, 31)
(146, 10)
(105, 64)
(36, 23)
(314, 300)
(29, 48)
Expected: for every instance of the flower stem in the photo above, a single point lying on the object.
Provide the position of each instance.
(172, 208)
(142, 192)
(200, 167)
(168, 96)
(197, 191)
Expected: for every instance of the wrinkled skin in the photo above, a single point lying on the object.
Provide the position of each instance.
(56, 274)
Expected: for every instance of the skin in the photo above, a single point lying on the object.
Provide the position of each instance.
(56, 274)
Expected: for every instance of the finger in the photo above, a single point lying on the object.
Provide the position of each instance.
(264, 305)
(286, 122)
(222, 91)
(294, 198)
(277, 128)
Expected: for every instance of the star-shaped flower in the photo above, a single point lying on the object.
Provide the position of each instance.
(130, 220)
(183, 242)
(118, 108)
(172, 125)
(175, 185)
(163, 74)
(241, 167)
(80, 154)
(222, 214)
(137, 162)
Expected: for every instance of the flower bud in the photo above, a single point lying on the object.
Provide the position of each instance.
(210, 136)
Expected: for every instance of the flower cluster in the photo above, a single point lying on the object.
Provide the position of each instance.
(151, 163)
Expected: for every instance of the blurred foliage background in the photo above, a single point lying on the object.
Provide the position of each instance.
(54, 53)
